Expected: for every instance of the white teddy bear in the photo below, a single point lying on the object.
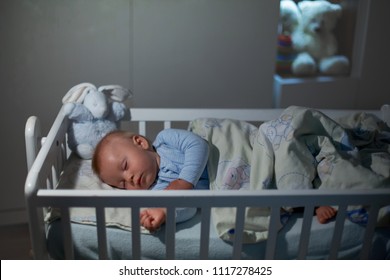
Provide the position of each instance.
(289, 17)
(313, 39)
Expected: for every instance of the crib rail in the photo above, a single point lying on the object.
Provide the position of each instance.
(169, 115)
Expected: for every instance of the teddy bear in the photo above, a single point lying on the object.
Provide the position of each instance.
(289, 18)
(93, 112)
(311, 25)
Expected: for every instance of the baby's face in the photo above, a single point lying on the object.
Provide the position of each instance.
(129, 163)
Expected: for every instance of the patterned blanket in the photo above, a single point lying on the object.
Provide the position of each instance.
(302, 149)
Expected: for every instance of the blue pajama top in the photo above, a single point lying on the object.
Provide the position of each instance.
(183, 155)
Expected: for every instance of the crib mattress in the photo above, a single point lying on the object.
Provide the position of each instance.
(187, 242)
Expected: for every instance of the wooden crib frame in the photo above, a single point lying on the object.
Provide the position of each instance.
(46, 157)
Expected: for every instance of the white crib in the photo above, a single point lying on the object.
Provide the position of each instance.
(47, 157)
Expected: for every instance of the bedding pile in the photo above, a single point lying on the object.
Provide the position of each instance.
(302, 149)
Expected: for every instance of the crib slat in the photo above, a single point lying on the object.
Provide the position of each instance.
(272, 233)
(238, 232)
(49, 181)
(205, 233)
(101, 233)
(67, 233)
(167, 124)
(135, 233)
(369, 234)
(63, 156)
(142, 127)
(305, 233)
(338, 232)
(55, 175)
(58, 164)
(170, 229)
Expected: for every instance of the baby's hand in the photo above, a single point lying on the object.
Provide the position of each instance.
(179, 184)
(153, 218)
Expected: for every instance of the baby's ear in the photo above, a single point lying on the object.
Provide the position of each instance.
(141, 141)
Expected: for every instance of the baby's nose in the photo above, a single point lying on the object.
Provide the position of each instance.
(129, 178)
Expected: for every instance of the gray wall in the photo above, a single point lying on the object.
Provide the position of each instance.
(171, 53)
(46, 47)
(204, 53)
(374, 86)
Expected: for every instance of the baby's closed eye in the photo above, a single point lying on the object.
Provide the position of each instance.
(124, 165)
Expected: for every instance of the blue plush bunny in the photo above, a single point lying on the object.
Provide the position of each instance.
(93, 113)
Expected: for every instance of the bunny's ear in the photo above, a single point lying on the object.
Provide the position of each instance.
(115, 92)
(77, 93)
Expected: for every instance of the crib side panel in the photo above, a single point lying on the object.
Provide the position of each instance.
(207, 200)
(44, 173)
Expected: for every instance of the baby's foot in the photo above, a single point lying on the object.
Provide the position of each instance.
(325, 213)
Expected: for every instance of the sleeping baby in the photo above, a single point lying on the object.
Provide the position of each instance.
(176, 160)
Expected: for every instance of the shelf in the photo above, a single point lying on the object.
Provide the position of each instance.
(320, 92)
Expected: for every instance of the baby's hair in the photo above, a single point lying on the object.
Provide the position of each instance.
(104, 141)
